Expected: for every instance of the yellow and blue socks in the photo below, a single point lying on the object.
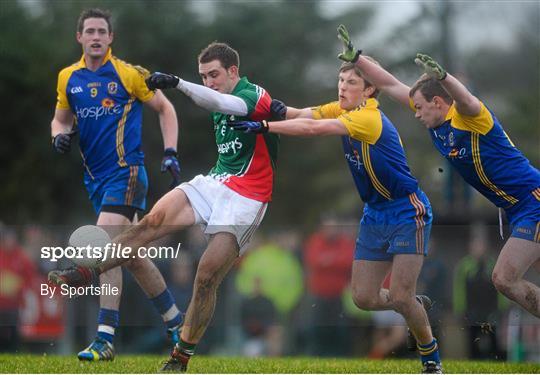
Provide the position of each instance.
(107, 323)
(166, 307)
(429, 352)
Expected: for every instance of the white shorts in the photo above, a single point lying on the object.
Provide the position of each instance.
(388, 318)
(220, 209)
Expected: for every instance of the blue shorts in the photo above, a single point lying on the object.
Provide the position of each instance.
(401, 226)
(124, 187)
(524, 219)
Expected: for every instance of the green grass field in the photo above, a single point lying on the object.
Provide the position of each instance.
(200, 364)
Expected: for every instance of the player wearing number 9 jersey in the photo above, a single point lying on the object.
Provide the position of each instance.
(104, 96)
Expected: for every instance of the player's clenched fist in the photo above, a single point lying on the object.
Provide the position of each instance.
(170, 163)
(278, 110)
(62, 142)
(159, 80)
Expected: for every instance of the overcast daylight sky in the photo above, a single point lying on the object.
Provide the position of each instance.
(480, 21)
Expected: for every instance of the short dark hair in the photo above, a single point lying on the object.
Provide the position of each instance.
(429, 88)
(94, 13)
(348, 66)
(226, 55)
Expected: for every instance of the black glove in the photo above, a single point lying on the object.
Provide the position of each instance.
(62, 141)
(170, 163)
(159, 80)
(278, 110)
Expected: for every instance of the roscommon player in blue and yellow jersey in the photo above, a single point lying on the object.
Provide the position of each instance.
(396, 223)
(104, 96)
(469, 135)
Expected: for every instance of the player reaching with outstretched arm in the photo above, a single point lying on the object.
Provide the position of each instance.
(472, 139)
(105, 96)
(396, 223)
(230, 201)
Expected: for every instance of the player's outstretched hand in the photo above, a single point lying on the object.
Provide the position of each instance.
(62, 141)
(159, 80)
(170, 163)
(256, 127)
(278, 110)
(349, 54)
(430, 66)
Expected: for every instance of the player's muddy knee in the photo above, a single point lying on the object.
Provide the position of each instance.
(154, 219)
(502, 283)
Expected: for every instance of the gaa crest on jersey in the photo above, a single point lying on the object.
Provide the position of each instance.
(451, 139)
(76, 90)
(112, 88)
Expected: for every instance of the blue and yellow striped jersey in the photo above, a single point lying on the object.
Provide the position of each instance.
(373, 151)
(481, 151)
(107, 105)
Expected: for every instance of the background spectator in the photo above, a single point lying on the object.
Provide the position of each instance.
(16, 273)
(258, 315)
(475, 298)
(328, 255)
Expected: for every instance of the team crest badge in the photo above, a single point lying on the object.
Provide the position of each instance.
(451, 139)
(454, 153)
(112, 88)
(107, 103)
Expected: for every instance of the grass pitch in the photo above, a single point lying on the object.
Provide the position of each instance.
(199, 364)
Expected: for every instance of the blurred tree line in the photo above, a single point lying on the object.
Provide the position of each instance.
(288, 47)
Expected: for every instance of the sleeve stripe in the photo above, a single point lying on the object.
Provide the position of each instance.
(536, 193)
(260, 94)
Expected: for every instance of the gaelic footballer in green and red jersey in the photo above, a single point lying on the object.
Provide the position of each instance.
(246, 162)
